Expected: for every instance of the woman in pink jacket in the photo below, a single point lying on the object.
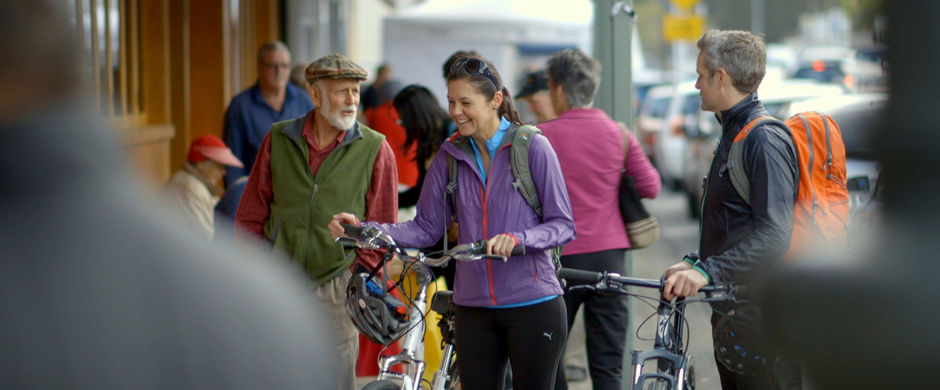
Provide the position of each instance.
(591, 152)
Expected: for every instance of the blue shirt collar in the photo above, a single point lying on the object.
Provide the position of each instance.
(491, 145)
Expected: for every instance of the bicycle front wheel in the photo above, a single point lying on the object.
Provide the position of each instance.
(688, 380)
(381, 385)
(690, 377)
(453, 381)
(658, 384)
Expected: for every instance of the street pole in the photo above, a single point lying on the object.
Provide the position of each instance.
(613, 30)
(757, 17)
(613, 35)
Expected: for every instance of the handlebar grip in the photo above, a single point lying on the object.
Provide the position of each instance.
(735, 289)
(577, 275)
(518, 250)
(351, 230)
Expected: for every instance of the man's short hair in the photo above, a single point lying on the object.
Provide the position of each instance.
(740, 53)
(577, 73)
(269, 47)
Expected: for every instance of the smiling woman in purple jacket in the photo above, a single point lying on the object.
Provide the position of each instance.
(510, 311)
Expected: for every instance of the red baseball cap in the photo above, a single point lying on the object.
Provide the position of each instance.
(212, 148)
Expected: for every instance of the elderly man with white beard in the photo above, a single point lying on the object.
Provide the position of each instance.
(309, 169)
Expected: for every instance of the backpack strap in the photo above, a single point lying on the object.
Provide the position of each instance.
(825, 122)
(519, 161)
(736, 170)
(522, 176)
(450, 190)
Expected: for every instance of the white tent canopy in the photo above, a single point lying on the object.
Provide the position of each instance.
(577, 12)
(516, 35)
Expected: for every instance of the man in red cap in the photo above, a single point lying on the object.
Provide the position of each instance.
(309, 169)
(194, 188)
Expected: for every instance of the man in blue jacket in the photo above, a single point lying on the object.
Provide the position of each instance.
(250, 114)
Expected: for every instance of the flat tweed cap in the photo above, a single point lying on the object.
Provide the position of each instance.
(335, 66)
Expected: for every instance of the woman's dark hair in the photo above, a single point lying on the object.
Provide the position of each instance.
(424, 120)
(485, 80)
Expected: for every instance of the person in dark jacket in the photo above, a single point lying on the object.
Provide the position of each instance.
(427, 126)
(738, 239)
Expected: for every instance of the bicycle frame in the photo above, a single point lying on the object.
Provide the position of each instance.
(411, 356)
(673, 363)
(412, 345)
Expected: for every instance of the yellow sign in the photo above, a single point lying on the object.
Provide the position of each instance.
(684, 4)
(683, 27)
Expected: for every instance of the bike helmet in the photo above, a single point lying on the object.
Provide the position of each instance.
(737, 347)
(380, 316)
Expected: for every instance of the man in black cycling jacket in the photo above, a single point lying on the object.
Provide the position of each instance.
(739, 238)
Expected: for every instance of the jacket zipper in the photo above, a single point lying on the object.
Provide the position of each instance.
(701, 215)
(313, 197)
(486, 194)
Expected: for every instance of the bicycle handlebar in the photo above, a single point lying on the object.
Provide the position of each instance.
(614, 282)
(375, 239)
(352, 230)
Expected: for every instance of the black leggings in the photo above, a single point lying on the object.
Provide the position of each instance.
(530, 337)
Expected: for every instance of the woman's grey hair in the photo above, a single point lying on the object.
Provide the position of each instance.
(578, 74)
(740, 53)
(268, 47)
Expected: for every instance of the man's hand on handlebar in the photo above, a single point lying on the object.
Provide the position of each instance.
(336, 229)
(682, 281)
(501, 245)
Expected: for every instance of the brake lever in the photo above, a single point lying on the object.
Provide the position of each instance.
(587, 287)
(357, 243)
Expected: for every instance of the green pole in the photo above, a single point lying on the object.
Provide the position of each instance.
(613, 34)
(613, 30)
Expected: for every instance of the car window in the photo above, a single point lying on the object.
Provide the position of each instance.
(691, 104)
(857, 124)
(658, 107)
(775, 109)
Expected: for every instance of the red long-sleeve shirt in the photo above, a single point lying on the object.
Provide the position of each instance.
(381, 199)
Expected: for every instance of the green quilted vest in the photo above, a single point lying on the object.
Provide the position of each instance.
(302, 205)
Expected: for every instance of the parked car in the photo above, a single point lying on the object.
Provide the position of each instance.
(670, 147)
(823, 63)
(704, 131)
(650, 117)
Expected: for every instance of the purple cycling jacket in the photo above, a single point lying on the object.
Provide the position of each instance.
(483, 212)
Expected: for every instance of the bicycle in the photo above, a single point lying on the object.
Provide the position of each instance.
(674, 366)
(412, 346)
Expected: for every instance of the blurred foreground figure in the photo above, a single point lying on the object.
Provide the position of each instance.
(870, 324)
(95, 291)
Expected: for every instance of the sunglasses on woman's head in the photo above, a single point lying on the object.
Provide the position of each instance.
(474, 66)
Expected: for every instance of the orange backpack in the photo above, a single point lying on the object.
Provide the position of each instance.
(821, 210)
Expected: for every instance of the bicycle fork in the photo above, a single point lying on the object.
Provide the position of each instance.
(442, 376)
(667, 352)
(412, 347)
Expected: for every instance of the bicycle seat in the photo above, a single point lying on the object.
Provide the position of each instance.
(443, 302)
